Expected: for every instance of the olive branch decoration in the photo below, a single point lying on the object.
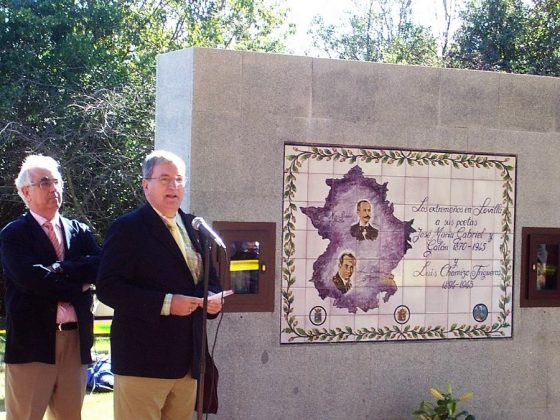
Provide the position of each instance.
(395, 332)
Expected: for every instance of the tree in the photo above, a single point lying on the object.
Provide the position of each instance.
(413, 45)
(542, 39)
(54, 54)
(79, 84)
(509, 35)
(450, 8)
(377, 30)
(490, 36)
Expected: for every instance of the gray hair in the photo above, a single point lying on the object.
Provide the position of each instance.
(35, 162)
(161, 156)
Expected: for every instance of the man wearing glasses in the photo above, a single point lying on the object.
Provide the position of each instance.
(49, 264)
(150, 275)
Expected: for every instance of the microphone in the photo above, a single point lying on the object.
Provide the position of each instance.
(200, 224)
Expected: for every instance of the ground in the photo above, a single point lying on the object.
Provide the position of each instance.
(97, 406)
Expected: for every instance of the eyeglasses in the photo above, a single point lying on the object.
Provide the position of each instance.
(167, 180)
(46, 183)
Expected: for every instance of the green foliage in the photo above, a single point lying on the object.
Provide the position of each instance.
(52, 49)
(67, 93)
(158, 26)
(490, 36)
(78, 84)
(508, 35)
(377, 30)
(494, 35)
(542, 39)
(413, 45)
(446, 407)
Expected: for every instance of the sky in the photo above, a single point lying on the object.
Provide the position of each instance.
(425, 12)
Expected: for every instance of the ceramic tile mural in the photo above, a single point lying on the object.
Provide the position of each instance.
(382, 245)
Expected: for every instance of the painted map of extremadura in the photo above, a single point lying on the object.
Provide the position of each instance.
(388, 245)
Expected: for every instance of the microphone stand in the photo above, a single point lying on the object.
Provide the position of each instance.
(206, 249)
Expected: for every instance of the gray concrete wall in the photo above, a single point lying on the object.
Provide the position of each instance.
(229, 114)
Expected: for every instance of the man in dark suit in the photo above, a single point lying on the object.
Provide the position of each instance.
(150, 275)
(346, 266)
(363, 229)
(49, 264)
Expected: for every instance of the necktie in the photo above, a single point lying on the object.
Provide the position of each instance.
(65, 311)
(59, 249)
(184, 243)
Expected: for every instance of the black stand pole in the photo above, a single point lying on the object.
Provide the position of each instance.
(206, 249)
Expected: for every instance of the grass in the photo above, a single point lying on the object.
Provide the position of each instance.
(97, 406)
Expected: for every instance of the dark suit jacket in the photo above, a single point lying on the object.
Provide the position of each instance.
(32, 294)
(140, 264)
(371, 232)
(340, 285)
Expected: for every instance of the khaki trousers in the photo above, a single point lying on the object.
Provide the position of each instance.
(59, 389)
(154, 398)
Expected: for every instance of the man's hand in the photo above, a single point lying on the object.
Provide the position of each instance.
(214, 306)
(216, 300)
(184, 305)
